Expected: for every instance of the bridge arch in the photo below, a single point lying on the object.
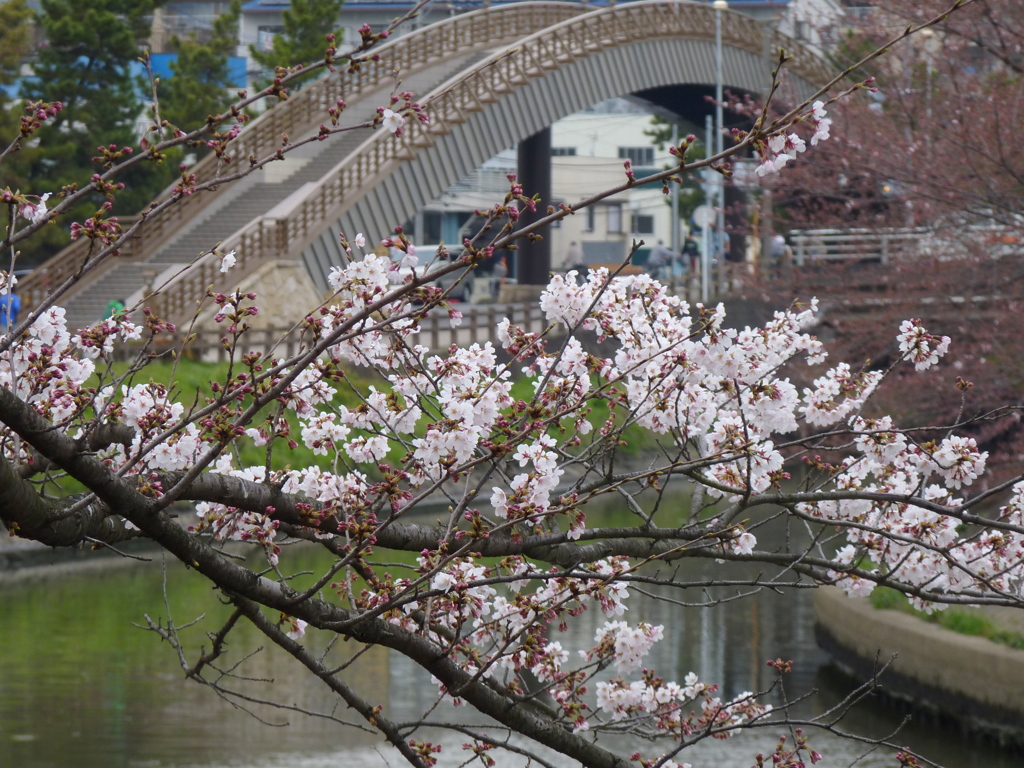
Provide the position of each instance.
(638, 47)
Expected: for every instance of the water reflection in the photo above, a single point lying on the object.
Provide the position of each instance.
(81, 686)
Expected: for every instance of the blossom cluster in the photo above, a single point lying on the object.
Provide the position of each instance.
(782, 147)
(35, 212)
(46, 369)
(716, 391)
(917, 544)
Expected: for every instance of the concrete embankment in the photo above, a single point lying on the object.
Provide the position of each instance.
(957, 681)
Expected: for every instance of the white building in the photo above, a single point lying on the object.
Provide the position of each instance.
(588, 151)
(811, 21)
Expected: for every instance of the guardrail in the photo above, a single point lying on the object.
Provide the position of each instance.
(302, 113)
(450, 104)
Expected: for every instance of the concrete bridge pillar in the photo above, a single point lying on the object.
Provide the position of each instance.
(533, 161)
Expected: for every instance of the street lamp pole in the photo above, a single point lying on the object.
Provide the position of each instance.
(928, 35)
(719, 6)
(674, 232)
(705, 226)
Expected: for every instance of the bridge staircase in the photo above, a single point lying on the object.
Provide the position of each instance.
(236, 214)
(242, 203)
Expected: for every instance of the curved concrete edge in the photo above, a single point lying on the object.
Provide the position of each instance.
(966, 683)
(27, 561)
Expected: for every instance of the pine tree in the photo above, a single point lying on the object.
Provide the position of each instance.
(201, 76)
(86, 64)
(15, 39)
(306, 25)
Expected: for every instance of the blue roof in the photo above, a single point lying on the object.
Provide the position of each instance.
(266, 5)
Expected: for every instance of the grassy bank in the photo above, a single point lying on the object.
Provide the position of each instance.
(192, 379)
(965, 622)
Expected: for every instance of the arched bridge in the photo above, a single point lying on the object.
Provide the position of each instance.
(492, 77)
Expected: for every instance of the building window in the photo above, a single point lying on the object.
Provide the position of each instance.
(638, 156)
(265, 37)
(643, 224)
(614, 218)
(590, 218)
(563, 151)
(433, 227)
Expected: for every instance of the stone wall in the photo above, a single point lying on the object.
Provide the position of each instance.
(964, 682)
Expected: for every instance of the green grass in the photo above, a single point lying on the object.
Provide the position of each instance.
(885, 598)
(961, 622)
(191, 378)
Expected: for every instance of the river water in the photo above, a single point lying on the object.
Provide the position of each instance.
(82, 686)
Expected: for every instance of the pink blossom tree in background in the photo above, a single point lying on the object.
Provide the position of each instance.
(933, 148)
(520, 443)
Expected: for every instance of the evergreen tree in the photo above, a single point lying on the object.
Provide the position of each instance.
(306, 25)
(15, 38)
(86, 64)
(201, 76)
(691, 191)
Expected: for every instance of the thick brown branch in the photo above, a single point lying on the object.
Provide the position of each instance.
(553, 548)
(25, 513)
(102, 437)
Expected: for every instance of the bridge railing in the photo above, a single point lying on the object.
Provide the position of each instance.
(852, 244)
(302, 113)
(451, 104)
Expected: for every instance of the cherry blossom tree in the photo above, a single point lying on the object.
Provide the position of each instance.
(933, 149)
(518, 442)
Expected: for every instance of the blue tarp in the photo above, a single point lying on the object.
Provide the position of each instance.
(161, 63)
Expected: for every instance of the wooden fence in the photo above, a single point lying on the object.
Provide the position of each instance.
(436, 333)
(479, 324)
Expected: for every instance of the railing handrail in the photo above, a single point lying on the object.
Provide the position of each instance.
(859, 232)
(302, 113)
(850, 244)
